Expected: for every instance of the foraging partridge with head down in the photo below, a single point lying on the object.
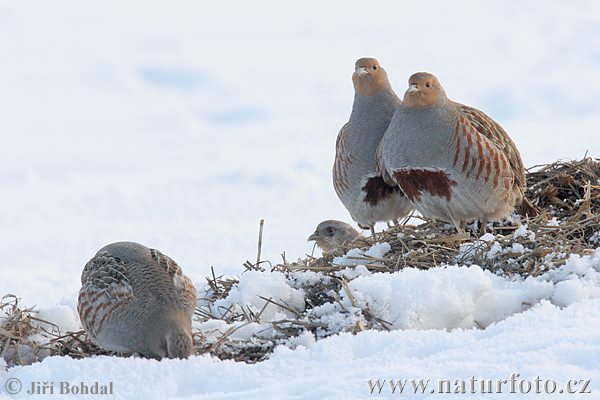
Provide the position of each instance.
(452, 161)
(358, 185)
(137, 300)
(332, 234)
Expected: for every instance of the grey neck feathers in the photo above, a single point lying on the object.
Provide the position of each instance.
(382, 103)
(370, 118)
(428, 131)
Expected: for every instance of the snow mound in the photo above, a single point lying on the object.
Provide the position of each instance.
(251, 292)
(445, 298)
(359, 298)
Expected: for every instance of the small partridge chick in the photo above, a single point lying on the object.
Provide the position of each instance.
(452, 161)
(362, 190)
(137, 300)
(332, 234)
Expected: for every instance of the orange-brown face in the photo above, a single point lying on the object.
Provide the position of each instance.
(368, 77)
(424, 90)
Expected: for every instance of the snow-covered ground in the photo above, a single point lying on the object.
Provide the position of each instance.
(452, 328)
(180, 126)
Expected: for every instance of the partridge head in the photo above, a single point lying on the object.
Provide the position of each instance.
(369, 77)
(332, 234)
(424, 90)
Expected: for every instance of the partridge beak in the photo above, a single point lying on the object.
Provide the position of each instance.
(360, 71)
(412, 88)
(314, 236)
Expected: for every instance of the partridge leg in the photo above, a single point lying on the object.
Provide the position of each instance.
(483, 227)
(460, 225)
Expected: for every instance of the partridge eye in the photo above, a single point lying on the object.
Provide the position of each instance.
(428, 84)
(374, 67)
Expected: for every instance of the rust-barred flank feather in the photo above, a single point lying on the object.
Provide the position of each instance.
(105, 288)
(486, 147)
(506, 157)
(343, 158)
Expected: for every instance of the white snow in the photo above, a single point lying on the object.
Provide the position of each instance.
(574, 290)
(445, 298)
(554, 222)
(353, 272)
(446, 314)
(522, 231)
(180, 127)
(359, 257)
(488, 237)
(253, 285)
(517, 248)
(61, 317)
(378, 250)
(495, 249)
(545, 341)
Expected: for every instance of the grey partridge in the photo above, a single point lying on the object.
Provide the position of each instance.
(452, 161)
(364, 193)
(137, 300)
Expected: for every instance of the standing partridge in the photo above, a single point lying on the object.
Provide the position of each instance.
(137, 300)
(332, 234)
(358, 185)
(452, 161)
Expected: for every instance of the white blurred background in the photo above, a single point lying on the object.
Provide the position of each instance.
(181, 125)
